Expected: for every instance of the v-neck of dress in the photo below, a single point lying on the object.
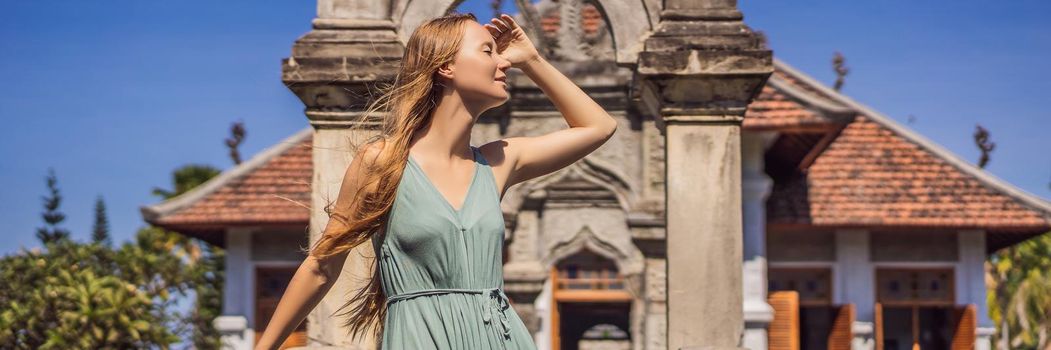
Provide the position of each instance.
(470, 186)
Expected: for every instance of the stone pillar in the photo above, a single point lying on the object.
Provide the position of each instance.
(756, 187)
(334, 69)
(970, 283)
(234, 329)
(854, 281)
(697, 74)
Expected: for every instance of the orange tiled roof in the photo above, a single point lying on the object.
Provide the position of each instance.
(877, 173)
(272, 188)
(774, 109)
(870, 176)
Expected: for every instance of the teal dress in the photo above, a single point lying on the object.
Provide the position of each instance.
(442, 268)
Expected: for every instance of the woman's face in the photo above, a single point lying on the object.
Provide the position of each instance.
(477, 68)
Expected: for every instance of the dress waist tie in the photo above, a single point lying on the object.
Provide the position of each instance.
(494, 299)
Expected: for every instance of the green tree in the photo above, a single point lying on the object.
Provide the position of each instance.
(205, 262)
(208, 280)
(52, 217)
(100, 230)
(186, 178)
(91, 295)
(86, 296)
(76, 295)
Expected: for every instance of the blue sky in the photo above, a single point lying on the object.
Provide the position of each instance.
(114, 95)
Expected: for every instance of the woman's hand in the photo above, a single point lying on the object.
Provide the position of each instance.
(511, 41)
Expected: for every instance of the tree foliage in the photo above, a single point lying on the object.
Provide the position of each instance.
(100, 229)
(73, 295)
(1019, 294)
(52, 216)
(88, 296)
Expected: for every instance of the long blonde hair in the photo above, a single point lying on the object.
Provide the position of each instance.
(408, 104)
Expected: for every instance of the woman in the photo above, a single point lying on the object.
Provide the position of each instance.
(430, 201)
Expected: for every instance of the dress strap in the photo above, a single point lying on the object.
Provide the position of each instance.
(479, 156)
(494, 298)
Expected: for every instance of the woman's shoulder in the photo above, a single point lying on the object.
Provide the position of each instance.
(370, 152)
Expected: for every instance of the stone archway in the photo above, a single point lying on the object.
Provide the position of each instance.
(629, 263)
(611, 244)
(627, 257)
(587, 290)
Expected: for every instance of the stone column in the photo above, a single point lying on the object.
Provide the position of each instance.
(756, 187)
(697, 74)
(854, 281)
(970, 283)
(233, 325)
(334, 69)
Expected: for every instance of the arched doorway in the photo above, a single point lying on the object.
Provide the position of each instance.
(591, 304)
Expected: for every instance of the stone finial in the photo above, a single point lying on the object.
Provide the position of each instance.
(335, 69)
(701, 60)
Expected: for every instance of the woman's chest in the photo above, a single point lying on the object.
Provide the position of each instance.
(418, 223)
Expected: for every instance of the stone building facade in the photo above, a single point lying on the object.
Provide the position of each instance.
(839, 205)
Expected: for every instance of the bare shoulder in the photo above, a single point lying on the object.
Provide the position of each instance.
(371, 150)
(368, 153)
(365, 156)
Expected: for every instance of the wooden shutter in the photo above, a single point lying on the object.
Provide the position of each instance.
(966, 325)
(842, 333)
(879, 326)
(783, 331)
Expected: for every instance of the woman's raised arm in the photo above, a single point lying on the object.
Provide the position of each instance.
(589, 124)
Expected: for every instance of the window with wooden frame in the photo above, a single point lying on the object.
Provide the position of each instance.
(916, 309)
(587, 276)
(915, 287)
(814, 285)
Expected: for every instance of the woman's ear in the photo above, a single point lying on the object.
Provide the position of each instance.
(446, 70)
